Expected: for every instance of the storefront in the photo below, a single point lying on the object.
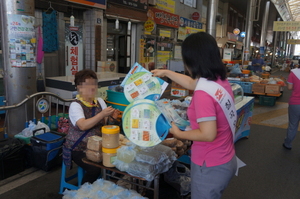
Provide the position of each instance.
(157, 40)
(124, 22)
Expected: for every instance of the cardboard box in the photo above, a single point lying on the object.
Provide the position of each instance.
(258, 88)
(176, 92)
(272, 89)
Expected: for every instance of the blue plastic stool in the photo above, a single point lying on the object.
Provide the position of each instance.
(64, 180)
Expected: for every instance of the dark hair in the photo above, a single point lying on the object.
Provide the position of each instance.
(84, 74)
(201, 56)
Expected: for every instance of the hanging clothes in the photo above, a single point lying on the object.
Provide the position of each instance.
(50, 32)
(40, 52)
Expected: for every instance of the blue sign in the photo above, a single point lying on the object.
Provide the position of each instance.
(243, 34)
(184, 22)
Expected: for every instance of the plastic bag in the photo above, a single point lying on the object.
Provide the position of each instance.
(126, 154)
(41, 125)
(179, 177)
(236, 69)
(27, 132)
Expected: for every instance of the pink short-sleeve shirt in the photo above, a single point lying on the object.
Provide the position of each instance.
(294, 78)
(204, 108)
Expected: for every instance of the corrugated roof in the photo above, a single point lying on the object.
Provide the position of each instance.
(289, 10)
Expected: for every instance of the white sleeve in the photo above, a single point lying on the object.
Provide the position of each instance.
(102, 103)
(75, 112)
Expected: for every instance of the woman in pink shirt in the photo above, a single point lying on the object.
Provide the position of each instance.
(293, 84)
(213, 155)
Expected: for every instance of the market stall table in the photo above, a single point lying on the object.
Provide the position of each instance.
(115, 171)
(244, 114)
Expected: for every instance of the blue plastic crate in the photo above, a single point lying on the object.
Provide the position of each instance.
(247, 86)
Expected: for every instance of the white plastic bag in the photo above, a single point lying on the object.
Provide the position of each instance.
(41, 125)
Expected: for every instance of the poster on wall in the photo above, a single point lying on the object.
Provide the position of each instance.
(22, 40)
(162, 58)
(74, 50)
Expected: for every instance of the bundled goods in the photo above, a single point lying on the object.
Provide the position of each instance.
(178, 146)
(101, 189)
(94, 147)
(63, 125)
(123, 140)
(148, 161)
(94, 143)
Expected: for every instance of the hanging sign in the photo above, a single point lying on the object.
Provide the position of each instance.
(166, 5)
(138, 4)
(74, 50)
(236, 31)
(195, 16)
(184, 22)
(243, 34)
(149, 25)
(22, 41)
(164, 33)
(286, 26)
(293, 41)
(163, 18)
(93, 3)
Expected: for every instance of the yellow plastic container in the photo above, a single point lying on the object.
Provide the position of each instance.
(110, 136)
(109, 156)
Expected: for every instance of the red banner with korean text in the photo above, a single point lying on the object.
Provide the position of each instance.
(163, 18)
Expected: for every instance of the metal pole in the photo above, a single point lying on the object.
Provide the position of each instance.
(19, 81)
(274, 47)
(211, 17)
(264, 29)
(249, 25)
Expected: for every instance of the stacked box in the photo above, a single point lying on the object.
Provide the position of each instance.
(272, 89)
(178, 91)
(258, 88)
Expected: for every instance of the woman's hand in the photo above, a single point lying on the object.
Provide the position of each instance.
(116, 113)
(175, 130)
(159, 73)
(107, 111)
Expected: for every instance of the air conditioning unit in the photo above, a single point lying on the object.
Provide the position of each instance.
(152, 2)
(219, 19)
(107, 66)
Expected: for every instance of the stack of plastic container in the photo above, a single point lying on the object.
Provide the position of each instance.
(110, 144)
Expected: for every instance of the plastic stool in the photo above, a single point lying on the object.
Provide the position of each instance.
(64, 180)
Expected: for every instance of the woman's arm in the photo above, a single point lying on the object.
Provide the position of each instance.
(290, 86)
(85, 124)
(207, 132)
(184, 80)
